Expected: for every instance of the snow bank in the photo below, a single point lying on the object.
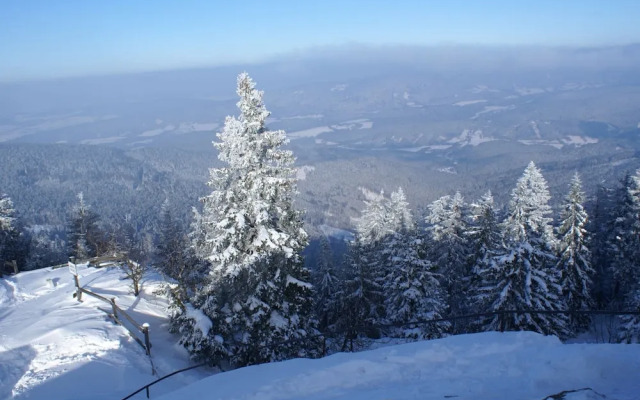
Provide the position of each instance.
(515, 365)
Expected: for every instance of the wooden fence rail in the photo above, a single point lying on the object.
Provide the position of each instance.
(117, 312)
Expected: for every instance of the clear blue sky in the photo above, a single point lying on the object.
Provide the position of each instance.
(54, 38)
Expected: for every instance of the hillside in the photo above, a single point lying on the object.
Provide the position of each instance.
(52, 346)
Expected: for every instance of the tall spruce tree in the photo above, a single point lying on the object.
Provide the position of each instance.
(7, 228)
(361, 297)
(600, 231)
(411, 288)
(84, 238)
(629, 262)
(523, 274)
(623, 245)
(447, 248)
(257, 299)
(629, 328)
(574, 261)
(485, 240)
(326, 283)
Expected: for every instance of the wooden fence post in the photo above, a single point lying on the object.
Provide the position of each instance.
(114, 308)
(78, 289)
(14, 263)
(147, 342)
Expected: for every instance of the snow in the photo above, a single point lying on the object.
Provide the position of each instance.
(447, 170)
(493, 109)
(471, 138)
(47, 123)
(469, 102)
(337, 233)
(182, 128)
(353, 124)
(301, 172)
(157, 131)
(54, 347)
(310, 116)
(293, 281)
(530, 91)
(339, 88)
(105, 140)
(427, 149)
(347, 125)
(536, 130)
(492, 365)
(311, 132)
(579, 140)
(552, 143)
(202, 322)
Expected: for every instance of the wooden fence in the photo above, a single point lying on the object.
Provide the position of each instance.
(117, 314)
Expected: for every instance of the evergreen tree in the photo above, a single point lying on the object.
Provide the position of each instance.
(173, 254)
(523, 274)
(600, 232)
(84, 237)
(257, 294)
(375, 222)
(627, 275)
(411, 287)
(447, 248)
(484, 241)
(7, 229)
(629, 330)
(326, 283)
(574, 257)
(623, 245)
(360, 296)
(7, 213)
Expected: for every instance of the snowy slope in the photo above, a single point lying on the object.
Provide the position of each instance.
(53, 347)
(514, 365)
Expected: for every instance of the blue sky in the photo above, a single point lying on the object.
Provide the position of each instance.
(56, 38)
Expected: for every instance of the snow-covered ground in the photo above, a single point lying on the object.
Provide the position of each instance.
(514, 365)
(53, 347)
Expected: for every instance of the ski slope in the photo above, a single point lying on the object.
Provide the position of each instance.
(53, 347)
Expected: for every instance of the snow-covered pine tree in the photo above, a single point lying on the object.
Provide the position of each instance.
(326, 282)
(574, 261)
(172, 249)
(447, 248)
(7, 213)
(485, 239)
(600, 231)
(375, 222)
(623, 245)
(524, 276)
(84, 237)
(629, 328)
(7, 227)
(360, 295)
(630, 245)
(258, 294)
(411, 288)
